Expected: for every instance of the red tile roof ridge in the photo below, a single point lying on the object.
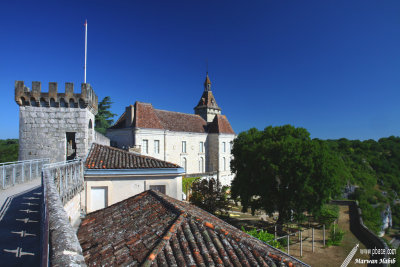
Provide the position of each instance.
(240, 236)
(171, 231)
(124, 151)
(163, 110)
(139, 102)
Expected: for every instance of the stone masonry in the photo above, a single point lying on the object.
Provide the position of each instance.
(53, 124)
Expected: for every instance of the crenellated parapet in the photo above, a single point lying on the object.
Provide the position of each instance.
(36, 98)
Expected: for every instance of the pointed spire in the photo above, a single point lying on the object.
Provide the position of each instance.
(207, 83)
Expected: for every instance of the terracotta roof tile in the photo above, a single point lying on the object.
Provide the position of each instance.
(152, 229)
(145, 116)
(181, 122)
(106, 157)
(220, 124)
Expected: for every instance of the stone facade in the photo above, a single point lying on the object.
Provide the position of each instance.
(54, 125)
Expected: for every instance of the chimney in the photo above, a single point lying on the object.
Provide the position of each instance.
(129, 114)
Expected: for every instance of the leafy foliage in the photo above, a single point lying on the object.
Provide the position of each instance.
(327, 214)
(187, 184)
(375, 169)
(264, 236)
(104, 117)
(9, 150)
(335, 236)
(282, 169)
(209, 195)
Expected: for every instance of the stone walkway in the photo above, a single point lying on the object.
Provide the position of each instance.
(20, 220)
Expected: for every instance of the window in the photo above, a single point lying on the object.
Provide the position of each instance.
(224, 162)
(201, 165)
(223, 146)
(231, 145)
(159, 188)
(201, 148)
(98, 197)
(183, 146)
(90, 124)
(184, 163)
(145, 146)
(71, 146)
(156, 146)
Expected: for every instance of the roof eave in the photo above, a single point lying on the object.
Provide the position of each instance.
(134, 172)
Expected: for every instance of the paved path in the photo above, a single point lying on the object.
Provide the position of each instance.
(4, 194)
(20, 219)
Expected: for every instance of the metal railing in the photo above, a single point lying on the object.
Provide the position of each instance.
(18, 172)
(68, 177)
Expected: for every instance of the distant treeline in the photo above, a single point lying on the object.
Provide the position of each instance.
(375, 169)
(8, 150)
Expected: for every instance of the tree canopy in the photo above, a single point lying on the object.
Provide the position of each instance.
(282, 169)
(104, 117)
(209, 195)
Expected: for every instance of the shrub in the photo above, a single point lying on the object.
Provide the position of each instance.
(335, 236)
(264, 236)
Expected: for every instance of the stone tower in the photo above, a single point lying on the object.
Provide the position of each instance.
(207, 107)
(59, 126)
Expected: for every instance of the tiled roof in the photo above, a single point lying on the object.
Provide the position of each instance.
(148, 117)
(220, 124)
(106, 157)
(181, 122)
(152, 229)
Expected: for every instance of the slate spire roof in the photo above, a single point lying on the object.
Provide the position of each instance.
(152, 229)
(207, 99)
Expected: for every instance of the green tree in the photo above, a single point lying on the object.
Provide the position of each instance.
(8, 150)
(209, 195)
(282, 169)
(104, 117)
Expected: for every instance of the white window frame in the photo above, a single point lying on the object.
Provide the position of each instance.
(223, 146)
(184, 163)
(156, 146)
(201, 165)
(145, 146)
(183, 146)
(224, 160)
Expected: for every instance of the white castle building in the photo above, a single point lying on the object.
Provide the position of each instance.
(201, 143)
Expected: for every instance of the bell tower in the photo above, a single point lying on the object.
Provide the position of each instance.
(207, 107)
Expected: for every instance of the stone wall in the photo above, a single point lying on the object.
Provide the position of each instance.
(73, 210)
(64, 247)
(42, 132)
(358, 228)
(101, 139)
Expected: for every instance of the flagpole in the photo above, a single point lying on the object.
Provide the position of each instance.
(85, 50)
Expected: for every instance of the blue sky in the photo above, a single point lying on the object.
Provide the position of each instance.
(332, 67)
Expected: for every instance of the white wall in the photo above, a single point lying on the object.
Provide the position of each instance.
(121, 188)
(171, 147)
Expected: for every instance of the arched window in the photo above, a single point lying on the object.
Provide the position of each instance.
(184, 164)
(43, 102)
(71, 103)
(81, 103)
(63, 104)
(90, 124)
(224, 164)
(52, 103)
(33, 102)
